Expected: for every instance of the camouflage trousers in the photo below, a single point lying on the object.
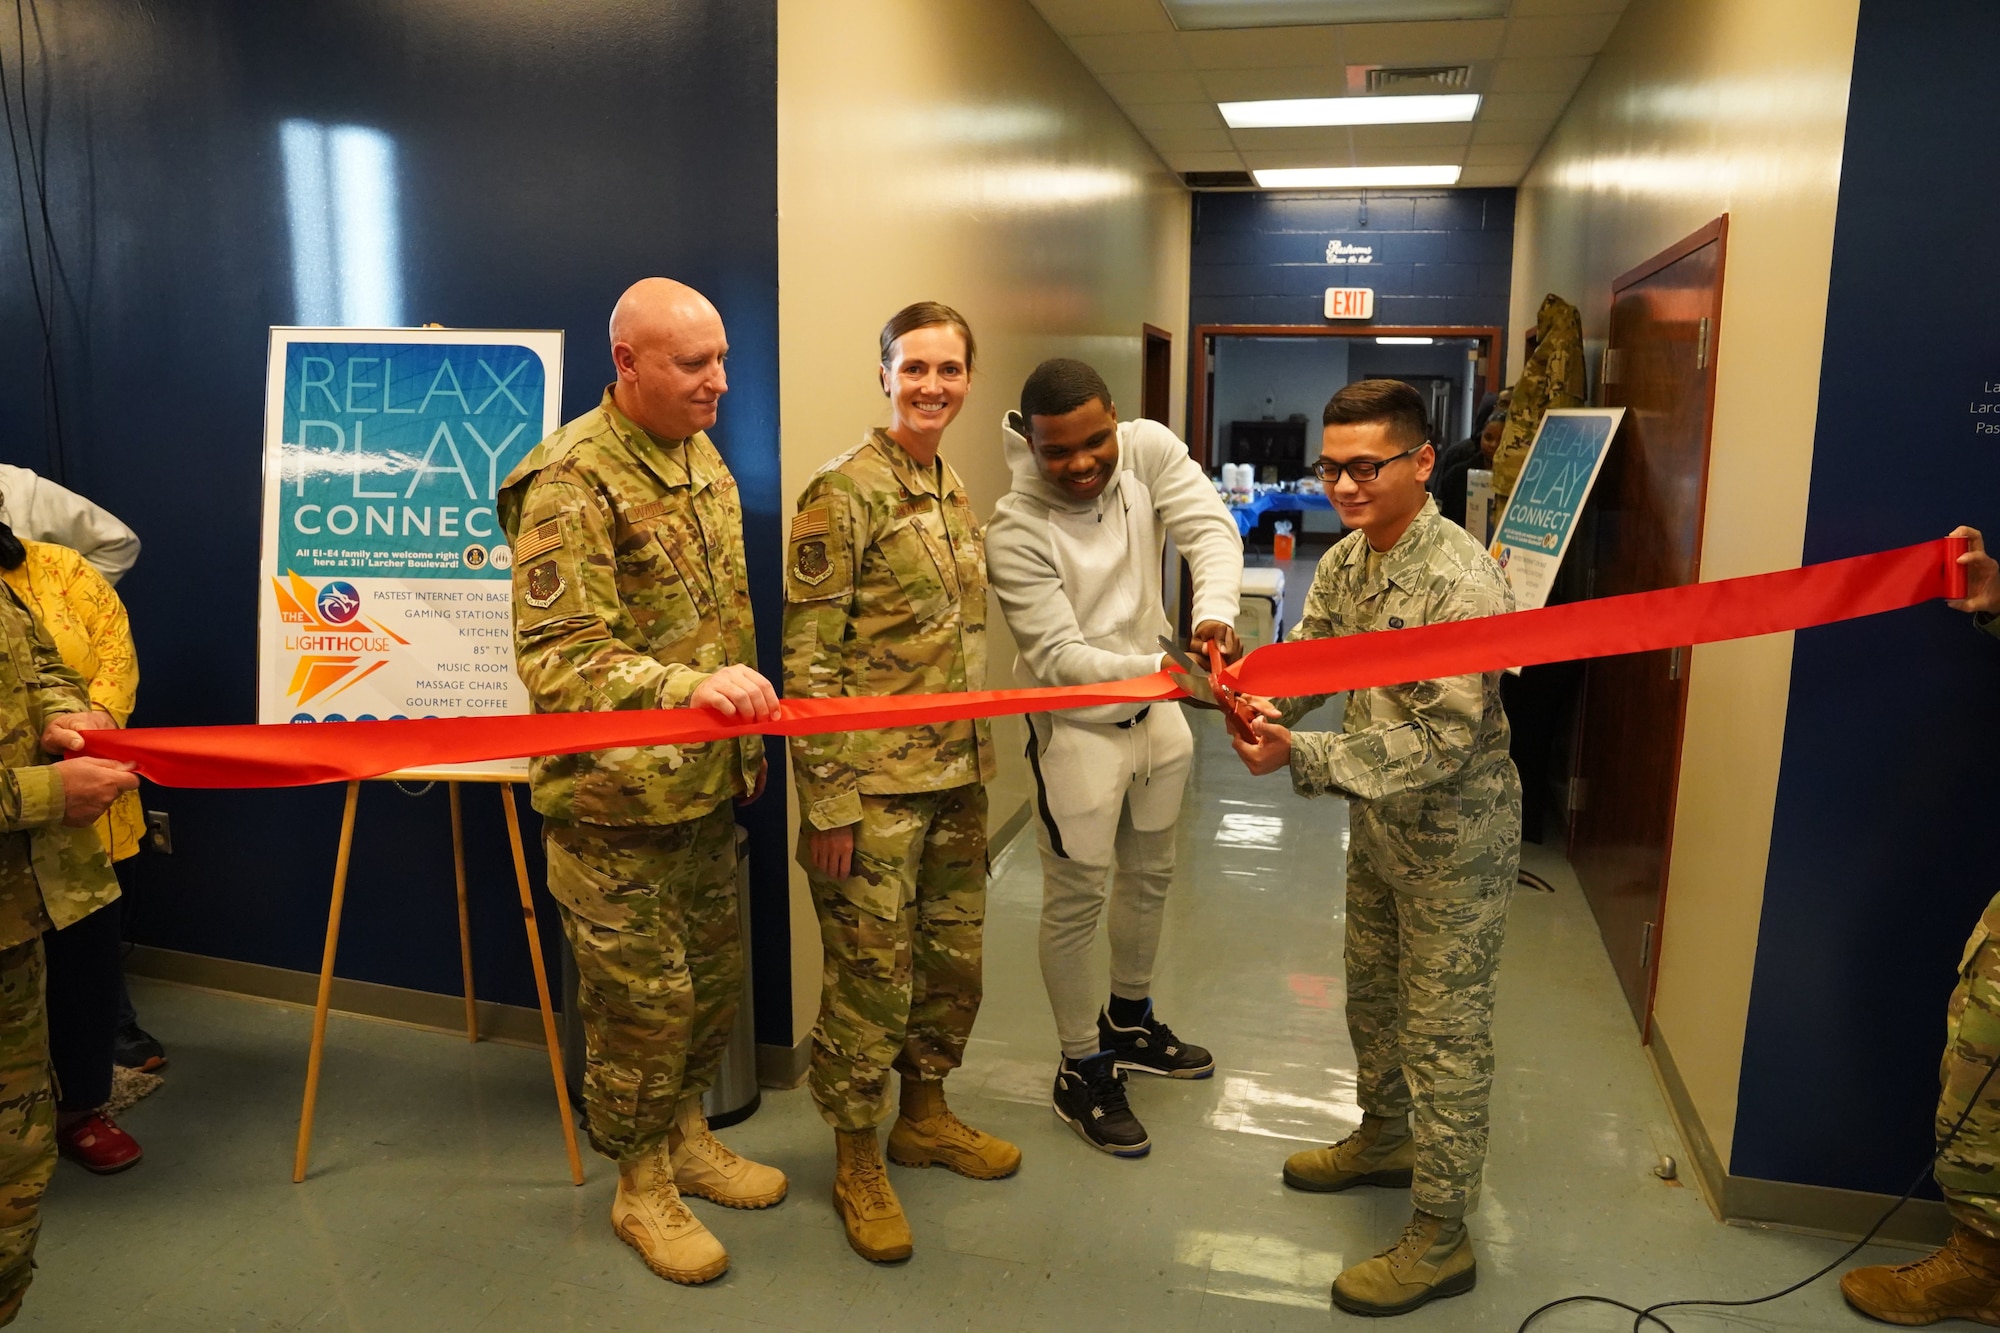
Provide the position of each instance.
(27, 1113)
(903, 937)
(650, 911)
(1420, 971)
(1968, 1171)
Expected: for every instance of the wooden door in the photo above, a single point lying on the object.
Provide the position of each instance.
(1650, 498)
(1156, 392)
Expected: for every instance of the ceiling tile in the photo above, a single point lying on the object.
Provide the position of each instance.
(1204, 161)
(1191, 141)
(1511, 131)
(1359, 156)
(1564, 35)
(1125, 54)
(1163, 85)
(1558, 75)
(1421, 43)
(1489, 177)
(1082, 18)
(1543, 107)
(1343, 137)
(1537, 8)
(1244, 85)
(1247, 48)
(1200, 115)
(1500, 155)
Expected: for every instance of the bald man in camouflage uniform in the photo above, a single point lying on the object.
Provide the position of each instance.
(630, 592)
(885, 587)
(1434, 816)
(53, 873)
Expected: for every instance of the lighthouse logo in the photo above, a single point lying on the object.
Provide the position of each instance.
(336, 647)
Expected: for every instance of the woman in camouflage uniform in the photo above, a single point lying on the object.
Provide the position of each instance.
(885, 592)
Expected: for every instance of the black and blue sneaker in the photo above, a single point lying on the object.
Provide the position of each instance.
(1150, 1046)
(1090, 1098)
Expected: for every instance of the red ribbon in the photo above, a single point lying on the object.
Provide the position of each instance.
(285, 755)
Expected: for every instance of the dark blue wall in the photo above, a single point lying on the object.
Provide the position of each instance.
(1440, 256)
(547, 156)
(1880, 855)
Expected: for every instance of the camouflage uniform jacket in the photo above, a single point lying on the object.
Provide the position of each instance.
(49, 875)
(1425, 753)
(1553, 377)
(629, 591)
(885, 593)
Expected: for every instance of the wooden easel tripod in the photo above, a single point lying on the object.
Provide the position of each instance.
(318, 1048)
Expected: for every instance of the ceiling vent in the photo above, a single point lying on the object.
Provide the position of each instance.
(1408, 78)
(1217, 180)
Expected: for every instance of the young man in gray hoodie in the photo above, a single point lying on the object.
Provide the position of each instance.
(1074, 553)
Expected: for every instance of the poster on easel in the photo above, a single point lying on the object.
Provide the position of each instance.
(1535, 529)
(384, 588)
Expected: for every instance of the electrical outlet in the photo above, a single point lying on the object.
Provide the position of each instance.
(160, 832)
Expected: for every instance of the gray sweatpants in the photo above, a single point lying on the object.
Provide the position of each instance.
(1097, 785)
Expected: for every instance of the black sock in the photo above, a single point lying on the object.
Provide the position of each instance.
(1127, 1013)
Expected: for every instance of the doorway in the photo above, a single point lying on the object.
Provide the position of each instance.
(1156, 388)
(1650, 500)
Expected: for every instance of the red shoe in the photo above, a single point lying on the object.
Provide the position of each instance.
(97, 1144)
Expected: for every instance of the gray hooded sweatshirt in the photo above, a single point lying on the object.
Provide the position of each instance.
(1079, 580)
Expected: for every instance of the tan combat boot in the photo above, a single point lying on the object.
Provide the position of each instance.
(868, 1208)
(1434, 1258)
(1381, 1152)
(926, 1132)
(704, 1167)
(647, 1213)
(1959, 1281)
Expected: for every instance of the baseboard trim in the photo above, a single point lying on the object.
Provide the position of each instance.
(508, 1023)
(783, 1066)
(1813, 1210)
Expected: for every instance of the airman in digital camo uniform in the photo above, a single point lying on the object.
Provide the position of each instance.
(1960, 1280)
(885, 590)
(53, 872)
(630, 592)
(1434, 820)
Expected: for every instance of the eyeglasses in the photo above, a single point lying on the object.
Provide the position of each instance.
(1361, 469)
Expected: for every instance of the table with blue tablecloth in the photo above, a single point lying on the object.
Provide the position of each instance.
(1273, 501)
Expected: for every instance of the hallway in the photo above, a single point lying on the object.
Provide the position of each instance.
(438, 1199)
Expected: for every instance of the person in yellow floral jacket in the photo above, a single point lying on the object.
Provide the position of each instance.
(85, 985)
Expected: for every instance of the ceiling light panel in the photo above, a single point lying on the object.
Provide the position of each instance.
(1200, 15)
(1292, 111)
(1313, 178)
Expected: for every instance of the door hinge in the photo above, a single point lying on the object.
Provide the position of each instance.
(1613, 364)
(1645, 945)
(1701, 345)
(1674, 664)
(1579, 794)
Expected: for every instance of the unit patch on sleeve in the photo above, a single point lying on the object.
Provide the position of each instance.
(545, 584)
(809, 562)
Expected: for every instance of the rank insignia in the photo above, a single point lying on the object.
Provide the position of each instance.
(809, 562)
(545, 584)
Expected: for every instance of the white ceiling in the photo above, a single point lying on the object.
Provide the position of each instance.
(1526, 66)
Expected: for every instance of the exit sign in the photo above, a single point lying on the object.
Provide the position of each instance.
(1350, 303)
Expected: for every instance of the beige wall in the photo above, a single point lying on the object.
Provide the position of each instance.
(1697, 108)
(955, 150)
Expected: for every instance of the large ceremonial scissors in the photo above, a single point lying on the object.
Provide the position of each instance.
(1206, 690)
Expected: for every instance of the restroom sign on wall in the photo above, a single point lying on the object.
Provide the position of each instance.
(1350, 303)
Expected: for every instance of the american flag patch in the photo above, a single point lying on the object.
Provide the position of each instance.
(538, 541)
(810, 523)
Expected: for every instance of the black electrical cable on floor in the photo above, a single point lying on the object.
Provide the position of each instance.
(1642, 1317)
